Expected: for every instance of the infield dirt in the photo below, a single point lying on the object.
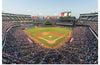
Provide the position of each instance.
(58, 45)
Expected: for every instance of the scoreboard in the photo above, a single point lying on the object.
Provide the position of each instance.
(66, 14)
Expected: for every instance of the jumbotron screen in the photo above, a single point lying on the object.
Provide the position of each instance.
(66, 14)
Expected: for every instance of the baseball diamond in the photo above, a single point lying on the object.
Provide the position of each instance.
(49, 37)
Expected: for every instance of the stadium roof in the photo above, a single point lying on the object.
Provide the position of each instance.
(90, 14)
(15, 14)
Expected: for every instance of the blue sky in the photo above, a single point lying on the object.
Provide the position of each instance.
(49, 7)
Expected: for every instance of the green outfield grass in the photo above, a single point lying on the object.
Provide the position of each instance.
(34, 31)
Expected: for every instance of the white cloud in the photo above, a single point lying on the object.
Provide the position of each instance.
(56, 14)
(40, 14)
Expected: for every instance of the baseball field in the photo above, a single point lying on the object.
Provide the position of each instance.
(49, 37)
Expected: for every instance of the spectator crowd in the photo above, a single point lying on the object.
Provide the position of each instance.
(18, 50)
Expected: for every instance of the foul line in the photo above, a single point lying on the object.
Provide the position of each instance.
(51, 40)
(42, 44)
(93, 33)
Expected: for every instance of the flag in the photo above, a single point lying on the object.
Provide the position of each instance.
(61, 14)
(35, 17)
(65, 14)
(69, 14)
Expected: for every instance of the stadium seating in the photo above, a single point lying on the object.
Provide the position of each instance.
(18, 49)
(82, 50)
(5, 26)
(16, 17)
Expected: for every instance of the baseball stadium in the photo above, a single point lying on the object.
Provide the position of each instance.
(64, 39)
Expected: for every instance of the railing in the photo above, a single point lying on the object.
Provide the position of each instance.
(4, 40)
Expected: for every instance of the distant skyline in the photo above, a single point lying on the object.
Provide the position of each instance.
(49, 7)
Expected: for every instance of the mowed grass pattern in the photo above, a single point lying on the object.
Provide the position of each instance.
(35, 31)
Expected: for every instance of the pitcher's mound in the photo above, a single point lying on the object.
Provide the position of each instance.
(50, 36)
